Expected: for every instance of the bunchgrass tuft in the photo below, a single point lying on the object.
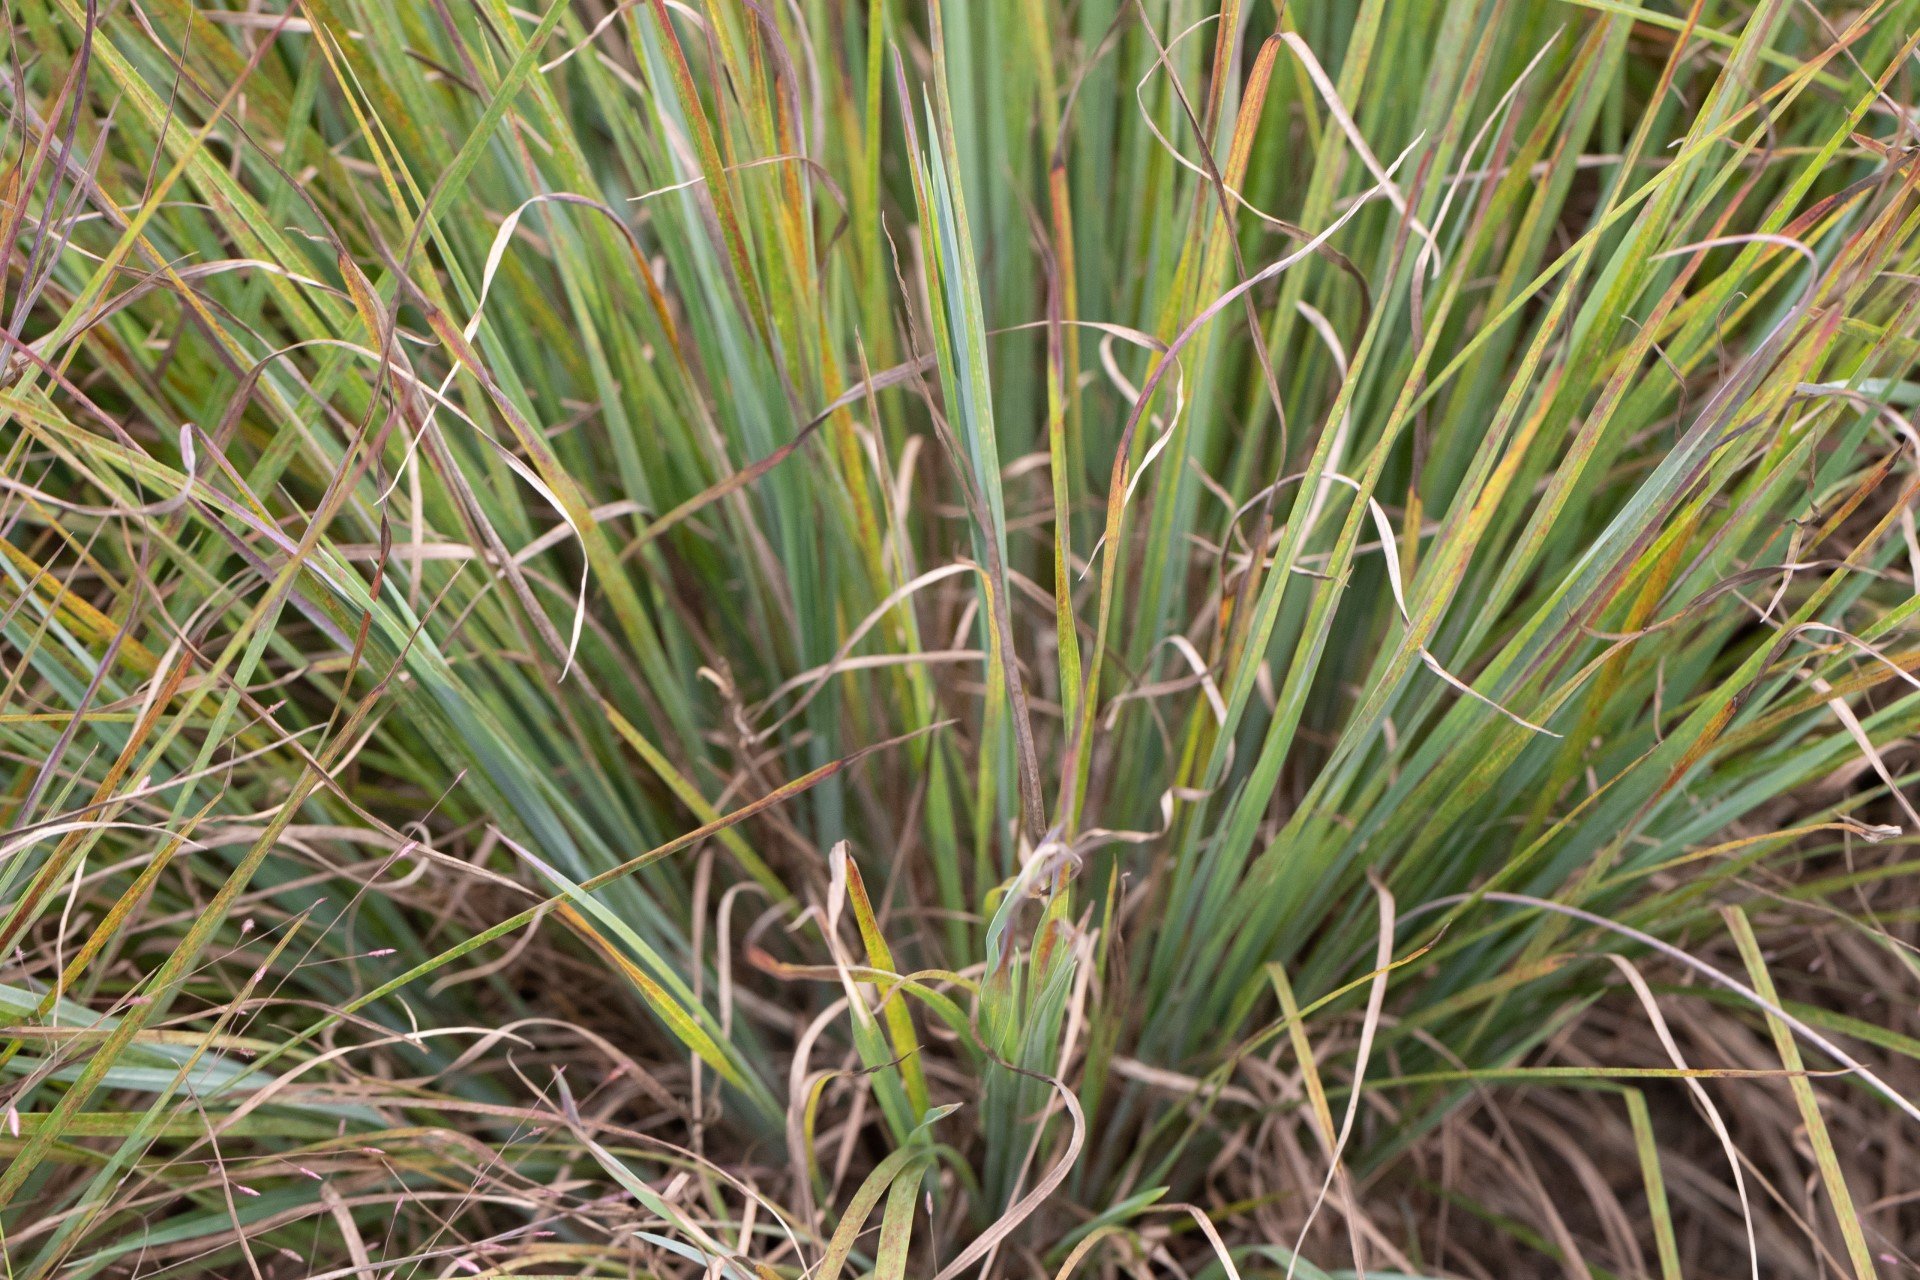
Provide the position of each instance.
(776, 638)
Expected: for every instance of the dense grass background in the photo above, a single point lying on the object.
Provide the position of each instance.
(1137, 637)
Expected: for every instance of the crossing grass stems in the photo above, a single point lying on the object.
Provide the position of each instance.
(775, 638)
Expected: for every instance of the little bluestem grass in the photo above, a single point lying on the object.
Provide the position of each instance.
(958, 637)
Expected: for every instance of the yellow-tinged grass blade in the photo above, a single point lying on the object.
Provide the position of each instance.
(906, 1047)
(1646, 1144)
(1839, 1198)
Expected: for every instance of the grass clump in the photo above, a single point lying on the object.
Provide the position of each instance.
(1144, 637)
